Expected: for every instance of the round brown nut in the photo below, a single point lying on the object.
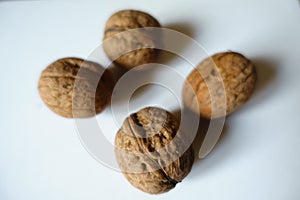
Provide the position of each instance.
(238, 75)
(130, 48)
(151, 152)
(74, 93)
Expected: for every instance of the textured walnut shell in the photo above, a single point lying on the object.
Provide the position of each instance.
(238, 75)
(131, 48)
(72, 93)
(151, 152)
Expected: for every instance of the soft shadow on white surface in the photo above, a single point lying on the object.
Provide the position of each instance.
(203, 125)
(266, 71)
(183, 27)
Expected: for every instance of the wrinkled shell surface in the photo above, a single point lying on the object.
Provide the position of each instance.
(238, 76)
(141, 42)
(152, 154)
(57, 88)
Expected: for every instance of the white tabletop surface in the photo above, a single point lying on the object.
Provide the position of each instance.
(41, 156)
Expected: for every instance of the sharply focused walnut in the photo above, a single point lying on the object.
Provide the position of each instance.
(151, 152)
(131, 48)
(235, 73)
(70, 87)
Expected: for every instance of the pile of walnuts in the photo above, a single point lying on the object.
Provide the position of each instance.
(152, 152)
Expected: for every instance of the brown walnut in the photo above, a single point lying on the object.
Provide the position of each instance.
(151, 152)
(72, 93)
(238, 77)
(130, 48)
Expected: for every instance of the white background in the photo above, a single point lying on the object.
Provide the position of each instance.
(41, 156)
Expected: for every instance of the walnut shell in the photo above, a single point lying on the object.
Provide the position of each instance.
(142, 42)
(88, 97)
(238, 75)
(151, 152)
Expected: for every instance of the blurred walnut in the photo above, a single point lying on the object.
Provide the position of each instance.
(151, 152)
(130, 48)
(70, 92)
(223, 82)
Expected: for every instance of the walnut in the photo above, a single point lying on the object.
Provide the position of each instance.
(119, 47)
(151, 152)
(238, 75)
(88, 97)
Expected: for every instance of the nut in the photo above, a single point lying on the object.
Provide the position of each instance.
(238, 75)
(151, 152)
(72, 93)
(130, 48)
